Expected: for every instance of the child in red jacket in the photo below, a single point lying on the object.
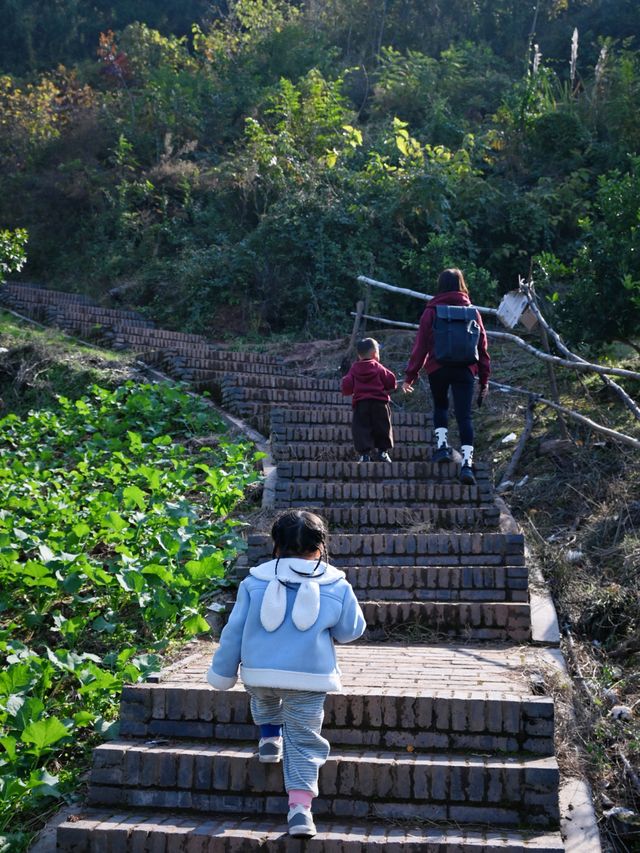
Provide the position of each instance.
(370, 382)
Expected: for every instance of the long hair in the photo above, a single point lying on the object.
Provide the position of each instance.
(452, 280)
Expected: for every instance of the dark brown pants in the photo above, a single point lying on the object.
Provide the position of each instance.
(371, 426)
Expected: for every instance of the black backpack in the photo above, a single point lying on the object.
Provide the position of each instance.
(456, 333)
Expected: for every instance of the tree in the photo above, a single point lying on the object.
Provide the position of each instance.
(12, 254)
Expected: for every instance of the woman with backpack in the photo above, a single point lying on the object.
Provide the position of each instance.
(451, 346)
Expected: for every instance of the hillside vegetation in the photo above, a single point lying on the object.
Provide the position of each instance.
(235, 175)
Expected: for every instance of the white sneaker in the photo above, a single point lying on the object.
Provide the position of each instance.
(270, 750)
(300, 821)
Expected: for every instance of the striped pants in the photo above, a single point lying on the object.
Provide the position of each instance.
(300, 713)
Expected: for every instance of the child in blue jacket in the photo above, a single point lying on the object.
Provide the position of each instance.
(281, 634)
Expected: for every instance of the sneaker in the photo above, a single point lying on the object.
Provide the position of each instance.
(300, 822)
(270, 750)
(467, 477)
(383, 456)
(442, 454)
(365, 458)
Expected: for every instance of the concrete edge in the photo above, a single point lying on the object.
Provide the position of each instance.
(578, 821)
(545, 629)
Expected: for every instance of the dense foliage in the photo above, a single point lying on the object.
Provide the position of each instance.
(238, 178)
(110, 532)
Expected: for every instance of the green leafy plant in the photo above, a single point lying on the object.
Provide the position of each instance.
(111, 531)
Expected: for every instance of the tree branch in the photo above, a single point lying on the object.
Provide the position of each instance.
(618, 436)
(392, 287)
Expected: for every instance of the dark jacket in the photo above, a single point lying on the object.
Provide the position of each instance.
(368, 380)
(422, 353)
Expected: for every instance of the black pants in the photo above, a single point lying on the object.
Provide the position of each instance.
(461, 381)
(371, 426)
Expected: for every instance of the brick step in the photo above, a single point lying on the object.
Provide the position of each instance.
(337, 416)
(40, 294)
(236, 396)
(288, 382)
(440, 583)
(372, 518)
(326, 451)
(436, 583)
(420, 492)
(211, 356)
(432, 717)
(402, 472)
(410, 549)
(204, 377)
(106, 316)
(103, 831)
(221, 777)
(479, 620)
(338, 433)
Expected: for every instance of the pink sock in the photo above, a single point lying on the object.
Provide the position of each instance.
(300, 798)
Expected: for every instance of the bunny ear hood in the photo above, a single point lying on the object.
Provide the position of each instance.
(309, 575)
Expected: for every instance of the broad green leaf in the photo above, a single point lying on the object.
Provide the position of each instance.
(44, 733)
(134, 496)
(195, 624)
(9, 744)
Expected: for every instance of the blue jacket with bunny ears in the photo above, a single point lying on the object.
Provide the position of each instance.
(281, 631)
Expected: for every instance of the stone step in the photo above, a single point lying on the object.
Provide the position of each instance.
(402, 472)
(463, 710)
(223, 777)
(325, 451)
(103, 831)
(372, 518)
(410, 549)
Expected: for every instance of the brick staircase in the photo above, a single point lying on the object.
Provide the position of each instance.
(439, 743)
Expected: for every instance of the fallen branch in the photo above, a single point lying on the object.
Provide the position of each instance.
(618, 436)
(424, 296)
(517, 453)
(631, 773)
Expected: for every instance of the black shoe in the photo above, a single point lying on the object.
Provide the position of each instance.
(365, 458)
(383, 456)
(442, 454)
(467, 477)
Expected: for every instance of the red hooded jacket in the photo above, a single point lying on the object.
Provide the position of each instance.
(368, 380)
(422, 353)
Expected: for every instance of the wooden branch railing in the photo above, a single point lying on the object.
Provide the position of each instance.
(424, 296)
(628, 401)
